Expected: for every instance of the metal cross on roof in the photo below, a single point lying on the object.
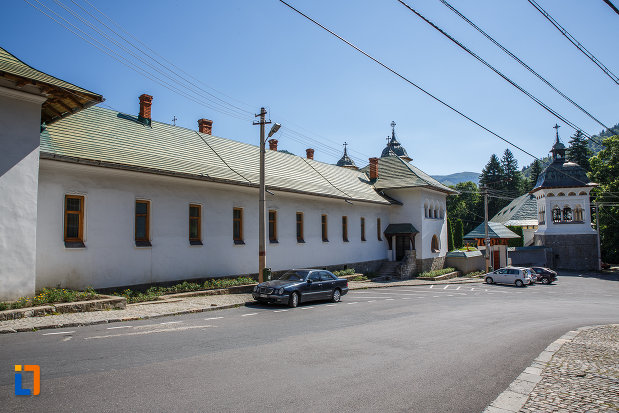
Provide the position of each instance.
(174, 119)
(556, 127)
(345, 145)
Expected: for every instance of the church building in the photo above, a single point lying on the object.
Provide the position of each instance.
(97, 198)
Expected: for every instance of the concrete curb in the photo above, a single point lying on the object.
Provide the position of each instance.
(518, 392)
(451, 281)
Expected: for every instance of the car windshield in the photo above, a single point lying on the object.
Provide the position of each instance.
(298, 275)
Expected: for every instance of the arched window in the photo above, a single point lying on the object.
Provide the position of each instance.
(442, 213)
(425, 208)
(567, 214)
(435, 212)
(435, 245)
(578, 214)
(572, 194)
(582, 193)
(550, 194)
(560, 194)
(556, 214)
(542, 216)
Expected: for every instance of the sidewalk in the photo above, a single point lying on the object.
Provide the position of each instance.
(577, 373)
(175, 306)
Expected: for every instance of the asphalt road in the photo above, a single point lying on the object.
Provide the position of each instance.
(440, 349)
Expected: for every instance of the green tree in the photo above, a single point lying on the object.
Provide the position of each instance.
(458, 233)
(493, 178)
(512, 181)
(605, 172)
(536, 169)
(515, 242)
(467, 205)
(578, 151)
(450, 237)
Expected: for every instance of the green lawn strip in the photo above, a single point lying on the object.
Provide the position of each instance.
(436, 273)
(153, 293)
(50, 296)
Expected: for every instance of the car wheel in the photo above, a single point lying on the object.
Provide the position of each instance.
(545, 281)
(519, 283)
(489, 280)
(336, 296)
(293, 301)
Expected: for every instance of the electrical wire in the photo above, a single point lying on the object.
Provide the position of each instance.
(510, 54)
(495, 70)
(612, 6)
(575, 42)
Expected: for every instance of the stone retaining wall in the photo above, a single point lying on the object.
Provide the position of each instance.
(430, 264)
(106, 302)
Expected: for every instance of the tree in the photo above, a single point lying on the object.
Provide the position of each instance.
(511, 175)
(467, 206)
(492, 174)
(605, 172)
(578, 151)
(450, 237)
(458, 232)
(536, 169)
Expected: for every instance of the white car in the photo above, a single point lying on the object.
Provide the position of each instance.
(519, 276)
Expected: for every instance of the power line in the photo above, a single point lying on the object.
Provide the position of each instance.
(612, 6)
(420, 88)
(510, 54)
(575, 42)
(495, 70)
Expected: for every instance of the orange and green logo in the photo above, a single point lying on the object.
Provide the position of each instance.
(36, 386)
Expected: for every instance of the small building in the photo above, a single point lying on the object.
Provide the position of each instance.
(521, 212)
(499, 236)
(564, 213)
(465, 261)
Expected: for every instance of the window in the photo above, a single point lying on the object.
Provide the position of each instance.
(324, 228)
(567, 214)
(435, 246)
(74, 221)
(345, 228)
(315, 276)
(425, 209)
(378, 235)
(362, 229)
(300, 227)
(556, 215)
(272, 226)
(142, 223)
(578, 214)
(237, 225)
(195, 224)
(542, 216)
(326, 276)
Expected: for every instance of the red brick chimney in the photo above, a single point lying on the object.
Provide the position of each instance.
(146, 102)
(310, 153)
(273, 144)
(373, 168)
(205, 126)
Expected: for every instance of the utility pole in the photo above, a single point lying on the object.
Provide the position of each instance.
(262, 254)
(487, 237)
(597, 229)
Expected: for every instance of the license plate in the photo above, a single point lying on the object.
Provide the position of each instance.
(263, 296)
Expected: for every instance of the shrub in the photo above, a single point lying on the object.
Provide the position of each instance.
(474, 274)
(436, 273)
(50, 296)
(349, 271)
(359, 278)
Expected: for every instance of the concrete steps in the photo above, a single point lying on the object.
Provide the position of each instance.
(388, 269)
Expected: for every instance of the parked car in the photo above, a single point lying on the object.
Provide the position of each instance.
(545, 275)
(299, 286)
(519, 276)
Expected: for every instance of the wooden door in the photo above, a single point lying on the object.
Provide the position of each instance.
(496, 259)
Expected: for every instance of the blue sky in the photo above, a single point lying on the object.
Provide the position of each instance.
(260, 53)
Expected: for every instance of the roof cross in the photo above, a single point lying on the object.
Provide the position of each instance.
(174, 119)
(345, 145)
(556, 127)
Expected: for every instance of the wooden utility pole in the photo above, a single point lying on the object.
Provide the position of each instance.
(262, 254)
(487, 237)
(597, 229)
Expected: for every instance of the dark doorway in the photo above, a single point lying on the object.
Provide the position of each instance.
(496, 259)
(402, 243)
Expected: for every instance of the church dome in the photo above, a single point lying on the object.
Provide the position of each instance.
(345, 160)
(394, 148)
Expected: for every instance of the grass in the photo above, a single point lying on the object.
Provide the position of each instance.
(50, 296)
(153, 293)
(359, 278)
(349, 271)
(474, 274)
(436, 273)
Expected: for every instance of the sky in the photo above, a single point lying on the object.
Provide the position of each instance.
(239, 55)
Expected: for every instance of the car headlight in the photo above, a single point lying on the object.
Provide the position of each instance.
(281, 291)
(256, 288)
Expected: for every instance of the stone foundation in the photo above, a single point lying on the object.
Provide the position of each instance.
(430, 264)
(408, 266)
(571, 252)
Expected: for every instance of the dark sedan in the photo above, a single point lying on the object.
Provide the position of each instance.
(299, 286)
(544, 275)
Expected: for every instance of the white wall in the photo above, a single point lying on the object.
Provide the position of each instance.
(112, 259)
(20, 122)
(413, 212)
(573, 201)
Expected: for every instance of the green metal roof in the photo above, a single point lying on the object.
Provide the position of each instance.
(63, 98)
(394, 172)
(104, 137)
(520, 212)
(495, 230)
(393, 229)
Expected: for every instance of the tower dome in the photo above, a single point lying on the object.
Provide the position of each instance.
(345, 160)
(394, 148)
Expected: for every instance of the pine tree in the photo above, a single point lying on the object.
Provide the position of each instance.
(458, 232)
(511, 174)
(536, 169)
(578, 151)
(450, 237)
(492, 174)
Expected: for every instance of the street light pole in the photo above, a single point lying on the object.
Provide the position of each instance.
(487, 238)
